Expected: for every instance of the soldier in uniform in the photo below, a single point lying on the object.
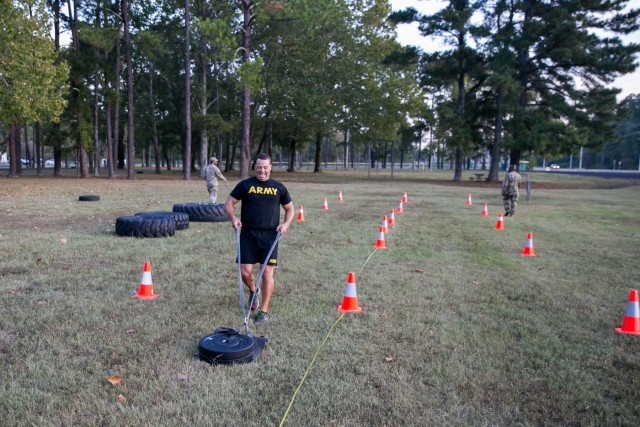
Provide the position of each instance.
(211, 175)
(511, 190)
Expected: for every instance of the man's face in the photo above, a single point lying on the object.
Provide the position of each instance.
(263, 169)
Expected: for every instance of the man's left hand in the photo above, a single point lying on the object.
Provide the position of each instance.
(282, 228)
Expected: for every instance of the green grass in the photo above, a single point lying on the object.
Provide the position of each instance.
(457, 328)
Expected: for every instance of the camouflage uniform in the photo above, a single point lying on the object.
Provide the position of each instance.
(511, 191)
(211, 175)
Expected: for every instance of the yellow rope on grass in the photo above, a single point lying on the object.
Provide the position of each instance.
(309, 368)
(365, 263)
(304, 377)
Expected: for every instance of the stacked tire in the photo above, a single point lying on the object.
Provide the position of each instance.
(151, 224)
(203, 212)
(181, 219)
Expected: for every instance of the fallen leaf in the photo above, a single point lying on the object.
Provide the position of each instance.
(12, 291)
(63, 241)
(122, 399)
(183, 377)
(389, 358)
(419, 271)
(131, 330)
(114, 380)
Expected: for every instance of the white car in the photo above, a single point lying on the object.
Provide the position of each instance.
(554, 166)
(49, 163)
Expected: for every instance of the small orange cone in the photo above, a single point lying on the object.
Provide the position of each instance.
(631, 321)
(325, 206)
(528, 246)
(146, 287)
(404, 198)
(340, 196)
(469, 200)
(385, 224)
(400, 207)
(301, 214)
(392, 218)
(380, 242)
(485, 211)
(500, 223)
(350, 298)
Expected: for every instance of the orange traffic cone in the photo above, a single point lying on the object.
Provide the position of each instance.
(380, 242)
(146, 287)
(485, 211)
(500, 223)
(325, 206)
(631, 321)
(528, 246)
(301, 214)
(350, 298)
(469, 200)
(404, 198)
(400, 207)
(392, 218)
(340, 196)
(385, 224)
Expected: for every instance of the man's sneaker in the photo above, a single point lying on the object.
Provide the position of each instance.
(255, 302)
(507, 214)
(261, 318)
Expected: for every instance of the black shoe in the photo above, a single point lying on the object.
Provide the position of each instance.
(507, 214)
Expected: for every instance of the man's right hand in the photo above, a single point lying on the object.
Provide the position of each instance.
(235, 223)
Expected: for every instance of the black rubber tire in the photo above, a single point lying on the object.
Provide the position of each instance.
(203, 212)
(128, 225)
(145, 226)
(89, 198)
(181, 219)
(226, 346)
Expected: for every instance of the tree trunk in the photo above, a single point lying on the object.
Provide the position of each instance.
(27, 151)
(96, 108)
(497, 138)
(38, 148)
(203, 107)
(14, 141)
(57, 152)
(292, 156)
(267, 135)
(245, 153)
(318, 157)
(75, 87)
(117, 157)
(186, 157)
(514, 157)
(96, 133)
(131, 148)
(154, 126)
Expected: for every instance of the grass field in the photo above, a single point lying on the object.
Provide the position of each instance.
(457, 327)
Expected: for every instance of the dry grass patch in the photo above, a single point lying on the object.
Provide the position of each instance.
(458, 328)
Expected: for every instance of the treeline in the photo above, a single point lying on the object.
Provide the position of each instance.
(169, 82)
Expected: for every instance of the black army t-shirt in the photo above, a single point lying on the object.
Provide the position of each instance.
(261, 202)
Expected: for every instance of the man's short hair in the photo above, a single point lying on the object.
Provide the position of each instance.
(512, 168)
(213, 159)
(263, 156)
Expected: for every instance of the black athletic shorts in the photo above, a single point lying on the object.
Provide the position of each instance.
(255, 244)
